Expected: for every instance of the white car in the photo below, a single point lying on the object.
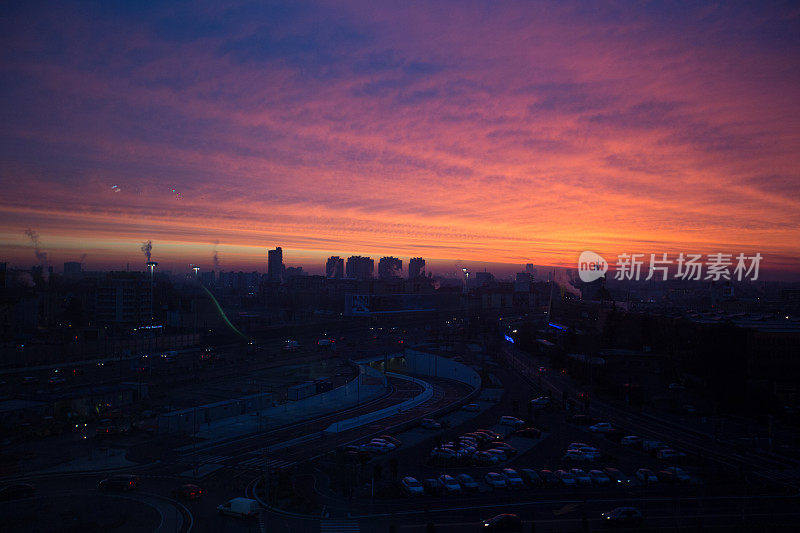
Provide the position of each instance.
(443, 453)
(580, 476)
(500, 454)
(485, 458)
(566, 478)
(540, 402)
(451, 485)
(599, 477)
(669, 453)
(383, 442)
(646, 476)
(430, 423)
(574, 455)
(589, 453)
(375, 447)
(513, 479)
(651, 445)
(412, 487)
(679, 474)
(601, 427)
(630, 440)
(495, 480)
(467, 483)
(511, 421)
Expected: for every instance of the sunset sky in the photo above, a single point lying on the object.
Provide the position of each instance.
(504, 132)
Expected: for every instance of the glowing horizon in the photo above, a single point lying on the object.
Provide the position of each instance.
(474, 132)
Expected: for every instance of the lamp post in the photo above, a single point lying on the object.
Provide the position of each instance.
(151, 265)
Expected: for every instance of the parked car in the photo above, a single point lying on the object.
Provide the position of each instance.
(411, 486)
(500, 454)
(599, 477)
(590, 453)
(433, 486)
(495, 480)
(17, 491)
(384, 442)
(391, 440)
(119, 483)
(549, 477)
(581, 477)
(491, 434)
(467, 482)
(653, 445)
(513, 479)
(530, 433)
(443, 453)
(616, 476)
(187, 492)
(450, 484)
(679, 473)
(601, 427)
(473, 407)
(540, 402)
(577, 445)
(623, 516)
(502, 522)
(574, 455)
(669, 453)
(375, 447)
(511, 421)
(510, 450)
(530, 477)
(486, 458)
(239, 507)
(566, 478)
(646, 476)
(430, 423)
(631, 440)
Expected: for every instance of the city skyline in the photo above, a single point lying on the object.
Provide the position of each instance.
(545, 130)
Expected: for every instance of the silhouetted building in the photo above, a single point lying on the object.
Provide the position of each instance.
(293, 272)
(123, 298)
(207, 279)
(334, 268)
(389, 267)
(523, 282)
(483, 279)
(359, 267)
(275, 264)
(72, 268)
(416, 267)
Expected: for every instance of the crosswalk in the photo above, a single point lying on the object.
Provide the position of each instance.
(338, 526)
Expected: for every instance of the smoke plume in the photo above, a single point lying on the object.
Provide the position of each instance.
(146, 249)
(215, 257)
(40, 255)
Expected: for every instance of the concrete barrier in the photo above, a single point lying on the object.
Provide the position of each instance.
(412, 362)
(367, 418)
(369, 384)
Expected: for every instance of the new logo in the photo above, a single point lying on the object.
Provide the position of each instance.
(591, 266)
